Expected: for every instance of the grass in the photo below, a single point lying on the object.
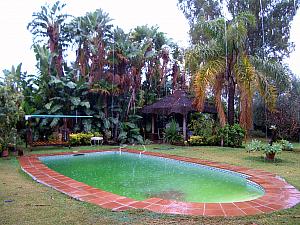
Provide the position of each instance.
(23, 201)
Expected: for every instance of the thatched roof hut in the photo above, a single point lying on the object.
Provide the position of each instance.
(178, 102)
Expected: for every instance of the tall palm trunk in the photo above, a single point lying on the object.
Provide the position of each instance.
(230, 99)
(105, 105)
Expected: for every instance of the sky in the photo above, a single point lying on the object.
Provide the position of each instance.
(16, 40)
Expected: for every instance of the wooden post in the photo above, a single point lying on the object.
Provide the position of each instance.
(184, 127)
(152, 125)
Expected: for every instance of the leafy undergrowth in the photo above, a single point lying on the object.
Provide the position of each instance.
(24, 201)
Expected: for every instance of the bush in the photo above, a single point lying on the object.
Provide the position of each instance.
(254, 145)
(201, 125)
(130, 133)
(286, 145)
(274, 148)
(257, 134)
(232, 136)
(171, 133)
(82, 138)
(197, 140)
(213, 140)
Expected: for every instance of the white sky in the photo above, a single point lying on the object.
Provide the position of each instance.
(16, 40)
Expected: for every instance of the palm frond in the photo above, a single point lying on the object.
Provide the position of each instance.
(205, 77)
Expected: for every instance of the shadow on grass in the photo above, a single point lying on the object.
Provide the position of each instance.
(263, 159)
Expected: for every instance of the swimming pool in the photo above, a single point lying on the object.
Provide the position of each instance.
(278, 194)
(140, 177)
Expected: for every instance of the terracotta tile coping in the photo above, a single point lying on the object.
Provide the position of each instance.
(278, 193)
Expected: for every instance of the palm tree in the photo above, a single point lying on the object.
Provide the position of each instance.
(105, 89)
(156, 58)
(91, 34)
(50, 23)
(223, 65)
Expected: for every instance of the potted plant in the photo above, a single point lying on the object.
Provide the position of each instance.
(271, 150)
(6, 139)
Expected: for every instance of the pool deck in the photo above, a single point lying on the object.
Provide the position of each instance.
(278, 193)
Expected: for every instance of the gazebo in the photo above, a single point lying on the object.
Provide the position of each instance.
(179, 102)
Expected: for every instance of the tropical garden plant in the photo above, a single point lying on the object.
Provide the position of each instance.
(11, 111)
(222, 65)
(231, 136)
(172, 133)
(115, 73)
(270, 150)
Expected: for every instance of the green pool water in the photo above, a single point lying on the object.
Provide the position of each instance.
(141, 177)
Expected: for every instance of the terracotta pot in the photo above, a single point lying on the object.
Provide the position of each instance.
(270, 156)
(5, 153)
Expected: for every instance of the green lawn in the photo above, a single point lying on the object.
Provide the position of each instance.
(23, 201)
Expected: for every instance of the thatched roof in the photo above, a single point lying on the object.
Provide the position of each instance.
(178, 102)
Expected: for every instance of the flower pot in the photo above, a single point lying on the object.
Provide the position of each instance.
(270, 156)
(5, 153)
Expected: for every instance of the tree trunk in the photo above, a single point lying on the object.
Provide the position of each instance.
(105, 105)
(231, 93)
(184, 127)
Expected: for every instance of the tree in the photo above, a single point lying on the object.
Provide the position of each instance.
(11, 106)
(223, 64)
(286, 121)
(91, 34)
(50, 23)
(194, 9)
(273, 22)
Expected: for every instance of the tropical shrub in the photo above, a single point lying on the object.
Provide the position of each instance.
(130, 132)
(82, 138)
(201, 125)
(232, 136)
(213, 140)
(268, 149)
(254, 145)
(11, 110)
(197, 140)
(171, 133)
(274, 148)
(286, 145)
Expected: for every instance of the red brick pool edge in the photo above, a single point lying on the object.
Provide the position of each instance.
(278, 193)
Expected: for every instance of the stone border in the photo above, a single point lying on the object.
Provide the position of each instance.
(278, 193)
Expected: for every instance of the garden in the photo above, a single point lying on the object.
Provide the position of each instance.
(235, 102)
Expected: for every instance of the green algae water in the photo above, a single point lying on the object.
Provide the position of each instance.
(141, 177)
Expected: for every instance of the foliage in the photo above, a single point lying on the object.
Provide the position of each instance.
(197, 140)
(286, 145)
(254, 145)
(171, 133)
(257, 134)
(274, 148)
(201, 125)
(277, 16)
(129, 131)
(50, 23)
(11, 110)
(286, 121)
(232, 136)
(82, 138)
(215, 68)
